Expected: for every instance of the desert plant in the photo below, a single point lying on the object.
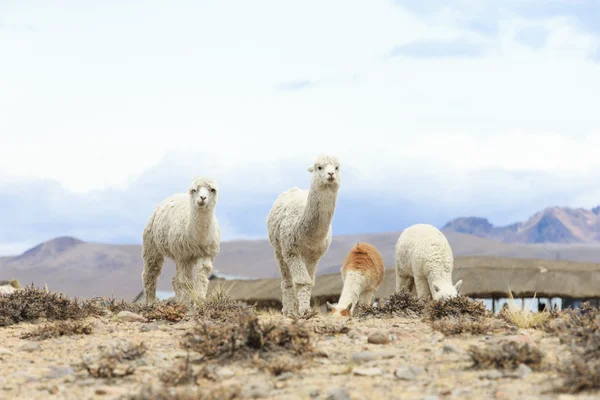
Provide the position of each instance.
(60, 328)
(523, 319)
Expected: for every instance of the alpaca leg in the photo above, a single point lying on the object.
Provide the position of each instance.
(422, 286)
(288, 295)
(303, 283)
(366, 298)
(183, 282)
(153, 263)
(205, 267)
(403, 282)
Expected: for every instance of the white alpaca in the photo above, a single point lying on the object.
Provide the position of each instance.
(424, 259)
(184, 228)
(362, 274)
(299, 226)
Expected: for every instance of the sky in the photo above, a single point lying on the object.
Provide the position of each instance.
(435, 110)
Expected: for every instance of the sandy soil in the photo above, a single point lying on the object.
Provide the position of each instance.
(346, 366)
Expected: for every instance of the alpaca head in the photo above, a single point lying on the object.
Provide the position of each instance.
(325, 172)
(203, 193)
(340, 312)
(445, 290)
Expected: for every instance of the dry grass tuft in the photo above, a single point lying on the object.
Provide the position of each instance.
(279, 365)
(180, 374)
(329, 327)
(149, 392)
(218, 306)
(507, 355)
(456, 307)
(114, 360)
(400, 304)
(167, 310)
(523, 319)
(458, 325)
(246, 334)
(57, 329)
(31, 304)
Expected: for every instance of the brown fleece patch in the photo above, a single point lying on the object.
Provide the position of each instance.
(366, 259)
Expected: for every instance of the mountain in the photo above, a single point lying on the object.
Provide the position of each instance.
(552, 225)
(84, 269)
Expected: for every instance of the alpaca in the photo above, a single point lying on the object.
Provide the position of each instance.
(184, 228)
(299, 226)
(424, 259)
(362, 274)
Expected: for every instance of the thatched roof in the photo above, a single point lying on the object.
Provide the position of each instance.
(483, 277)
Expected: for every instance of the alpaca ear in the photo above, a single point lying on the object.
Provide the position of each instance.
(436, 287)
(457, 285)
(311, 169)
(329, 306)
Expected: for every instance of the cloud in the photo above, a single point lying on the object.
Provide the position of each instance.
(433, 49)
(534, 37)
(295, 85)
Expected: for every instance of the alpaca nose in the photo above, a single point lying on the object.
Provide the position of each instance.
(331, 174)
(202, 198)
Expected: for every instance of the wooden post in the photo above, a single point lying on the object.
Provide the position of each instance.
(522, 303)
(493, 306)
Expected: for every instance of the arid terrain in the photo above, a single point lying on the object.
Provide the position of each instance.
(403, 349)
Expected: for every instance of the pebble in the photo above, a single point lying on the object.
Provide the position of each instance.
(519, 339)
(431, 398)
(60, 372)
(437, 337)
(30, 347)
(285, 376)
(337, 393)
(225, 373)
(408, 372)
(130, 317)
(364, 356)
(256, 390)
(378, 338)
(450, 348)
(367, 371)
(521, 372)
(493, 374)
(4, 351)
(150, 327)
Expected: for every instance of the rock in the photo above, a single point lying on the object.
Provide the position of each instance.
(60, 372)
(431, 398)
(337, 393)
(128, 316)
(408, 372)
(30, 347)
(5, 352)
(450, 348)
(285, 376)
(521, 372)
(150, 327)
(437, 337)
(519, 339)
(493, 374)
(256, 390)
(314, 393)
(367, 371)
(225, 373)
(378, 338)
(365, 356)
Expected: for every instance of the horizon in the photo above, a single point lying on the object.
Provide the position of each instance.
(435, 111)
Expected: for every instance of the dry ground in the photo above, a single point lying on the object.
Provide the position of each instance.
(337, 360)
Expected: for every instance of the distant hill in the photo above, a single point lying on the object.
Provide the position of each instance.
(85, 269)
(552, 225)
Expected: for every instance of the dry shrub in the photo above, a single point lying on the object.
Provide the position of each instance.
(218, 306)
(464, 324)
(580, 331)
(180, 374)
(114, 360)
(399, 304)
(247, 333)
(279, 365)
(31, 304)
(329, 327)
(167, 310)
(507, 355)
(523, 319)
(60, 328)
(148, 392)
(456, 307)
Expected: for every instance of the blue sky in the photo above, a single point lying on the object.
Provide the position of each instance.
(435, 111)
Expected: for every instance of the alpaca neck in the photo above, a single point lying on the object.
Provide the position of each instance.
(354, 283)
(200, 222)
(318, 212)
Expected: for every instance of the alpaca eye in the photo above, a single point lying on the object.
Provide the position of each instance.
(337, 168)
(193, 191)
(213, 190)
(320, 168)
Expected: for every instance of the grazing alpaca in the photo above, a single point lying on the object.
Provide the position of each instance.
(184, 228)
(299, 226)
(362, 274)
(424, 259)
